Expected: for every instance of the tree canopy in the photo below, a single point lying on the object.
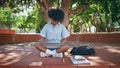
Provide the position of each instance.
(80, 15)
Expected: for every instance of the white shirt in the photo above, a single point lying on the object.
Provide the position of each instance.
(54, 34)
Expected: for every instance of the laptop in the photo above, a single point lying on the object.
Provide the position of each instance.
(51, 45)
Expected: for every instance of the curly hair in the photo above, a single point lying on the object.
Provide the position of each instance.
(56, 14)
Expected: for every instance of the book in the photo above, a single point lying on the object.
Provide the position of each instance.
(51, 45)
(77, 59)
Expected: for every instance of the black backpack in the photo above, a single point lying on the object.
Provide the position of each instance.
(83, 50)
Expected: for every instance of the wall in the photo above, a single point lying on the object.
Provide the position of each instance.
(94, 37)
(7, 31)
(18, 38)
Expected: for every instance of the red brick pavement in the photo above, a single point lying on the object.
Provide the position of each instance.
(22, 56)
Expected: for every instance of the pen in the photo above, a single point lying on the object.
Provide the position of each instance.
(63, 60)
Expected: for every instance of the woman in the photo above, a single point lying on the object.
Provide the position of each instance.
(54, 32)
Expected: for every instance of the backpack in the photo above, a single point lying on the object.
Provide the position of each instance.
(83, 50)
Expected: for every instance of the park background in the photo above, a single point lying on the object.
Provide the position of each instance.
(81, 16)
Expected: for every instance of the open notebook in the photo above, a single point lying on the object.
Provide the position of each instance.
(51, 45)
(77, 59)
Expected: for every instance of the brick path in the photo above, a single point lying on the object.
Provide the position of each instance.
(26, 56)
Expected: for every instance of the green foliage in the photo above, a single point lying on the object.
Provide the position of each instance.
(115, 11)
(7, 18)
(38, 17)
(34, 20)
(103, 14)
(25, 24)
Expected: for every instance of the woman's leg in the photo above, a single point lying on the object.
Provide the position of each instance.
(63, 48)
(40, 47)
(43, 49)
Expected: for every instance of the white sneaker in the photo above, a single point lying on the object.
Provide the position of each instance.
(42, 54)
(49, 52)
(59, 55)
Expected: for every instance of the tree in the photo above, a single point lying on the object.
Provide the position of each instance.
(38, 16)
(108, 14)
(45, 5)
(103, 14)
(7, 19)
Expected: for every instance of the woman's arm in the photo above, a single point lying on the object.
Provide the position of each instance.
(63, 41)
(43, 39)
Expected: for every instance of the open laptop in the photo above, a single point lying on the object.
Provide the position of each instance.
(51, 45)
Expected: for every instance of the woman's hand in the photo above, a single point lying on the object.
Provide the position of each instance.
(42, 40)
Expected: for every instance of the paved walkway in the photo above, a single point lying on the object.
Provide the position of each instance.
(24, 54)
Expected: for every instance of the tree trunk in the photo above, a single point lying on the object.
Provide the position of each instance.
(65, 4)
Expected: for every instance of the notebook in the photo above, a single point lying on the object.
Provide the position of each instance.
(77, 59)
(51, 45)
